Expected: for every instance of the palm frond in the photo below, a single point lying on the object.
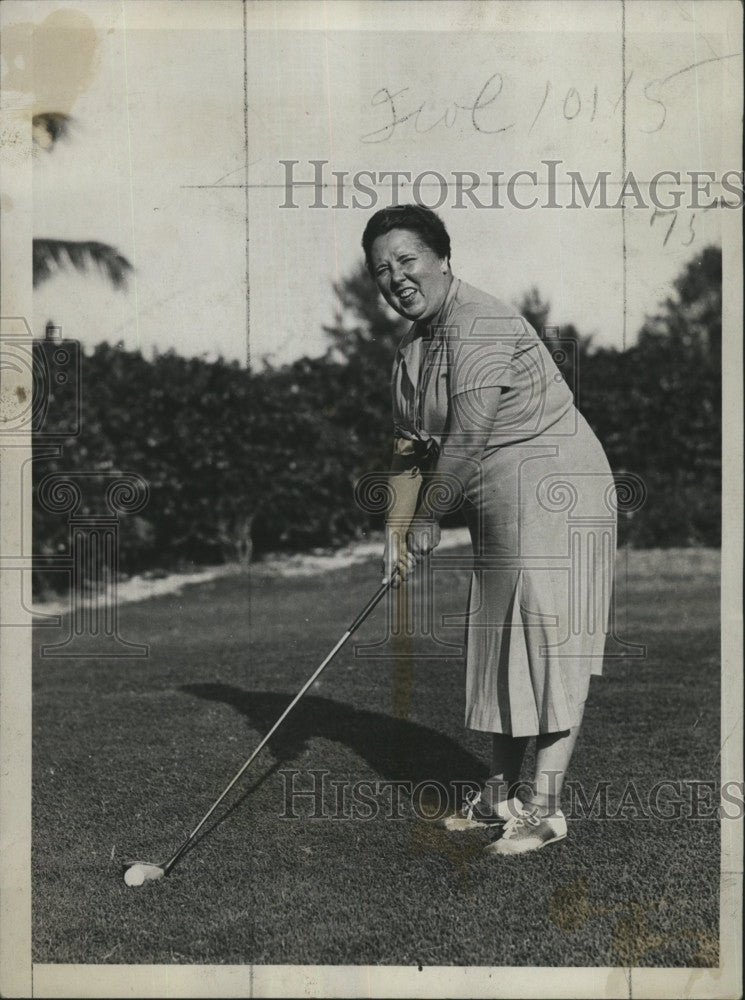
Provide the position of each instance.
(49, 127)
(53, 255)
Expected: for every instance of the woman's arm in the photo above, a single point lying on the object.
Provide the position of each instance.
(471, 418)
(404, 482)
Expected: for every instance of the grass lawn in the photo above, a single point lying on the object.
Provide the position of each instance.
(129, 754)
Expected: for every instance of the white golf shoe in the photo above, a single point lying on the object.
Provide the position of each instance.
(476, 815)
(529, 832)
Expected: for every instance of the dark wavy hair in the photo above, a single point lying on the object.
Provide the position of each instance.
(427, 225)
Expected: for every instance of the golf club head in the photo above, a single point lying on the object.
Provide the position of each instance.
(139, 872)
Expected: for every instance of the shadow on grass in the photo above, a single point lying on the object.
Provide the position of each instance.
(394, 748)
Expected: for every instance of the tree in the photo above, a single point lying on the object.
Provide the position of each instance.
(668, 396)
(691, 319)
(366, 328)
(357, 395)
(49, 128)
(569, 348)
(536, 310)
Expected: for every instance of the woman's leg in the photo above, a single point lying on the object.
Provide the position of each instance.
(507, 759)
(542, 822)
(553, 753)
(484, 809)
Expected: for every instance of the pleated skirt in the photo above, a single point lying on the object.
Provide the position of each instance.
(542, 518)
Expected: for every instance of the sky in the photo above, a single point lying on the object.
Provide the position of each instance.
(181, 121)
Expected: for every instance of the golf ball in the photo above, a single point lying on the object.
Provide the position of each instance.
(134, 875)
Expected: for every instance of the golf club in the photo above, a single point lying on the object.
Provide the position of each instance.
(138, 872)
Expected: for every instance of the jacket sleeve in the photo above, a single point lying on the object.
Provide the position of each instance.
(482, 350)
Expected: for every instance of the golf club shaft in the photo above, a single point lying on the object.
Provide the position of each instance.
(371, 604)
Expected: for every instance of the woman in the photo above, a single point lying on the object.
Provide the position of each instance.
(481, 413)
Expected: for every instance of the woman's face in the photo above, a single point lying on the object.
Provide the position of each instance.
(411, 277)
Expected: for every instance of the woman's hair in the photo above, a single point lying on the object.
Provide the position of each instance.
(427, 225)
